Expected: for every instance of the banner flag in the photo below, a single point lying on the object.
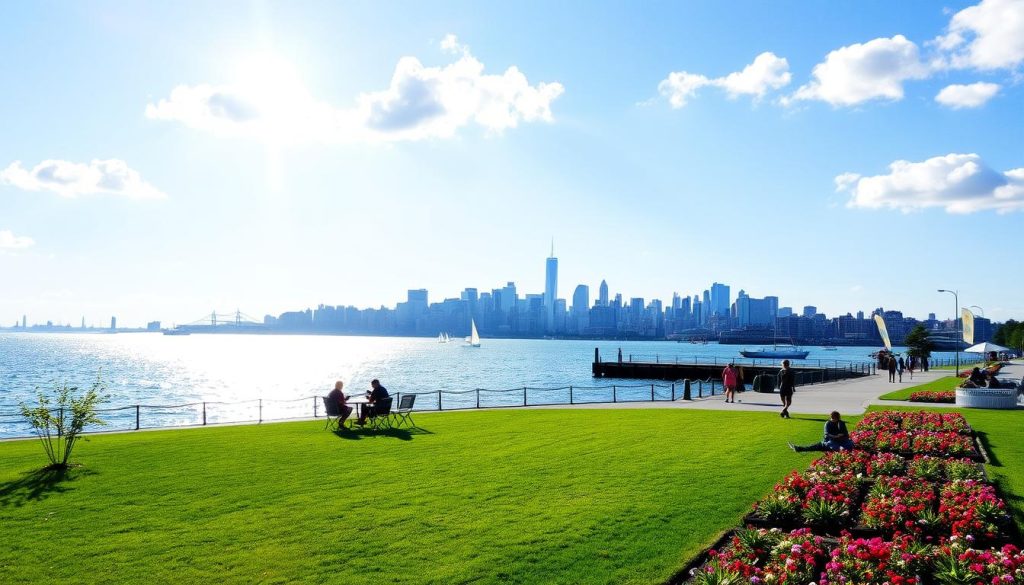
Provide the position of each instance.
(968, 324)
(883, 332)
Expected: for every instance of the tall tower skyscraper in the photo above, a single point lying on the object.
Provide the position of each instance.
(551, 288)
(602, 294)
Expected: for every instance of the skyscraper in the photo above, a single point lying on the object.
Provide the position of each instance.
(720, 299)
(602, 294)
(551, 288)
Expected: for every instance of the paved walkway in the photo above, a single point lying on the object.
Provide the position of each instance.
(850, 397)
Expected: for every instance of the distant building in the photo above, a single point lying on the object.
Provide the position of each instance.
(551, 288)
(113, 322)
(602, 298)
(810, 311)
(720, 299)
(151, 326)
(579, 318)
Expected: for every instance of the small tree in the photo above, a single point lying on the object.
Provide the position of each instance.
(918, 343)
(58, 424)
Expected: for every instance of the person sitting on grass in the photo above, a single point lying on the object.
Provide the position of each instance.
(837, 438)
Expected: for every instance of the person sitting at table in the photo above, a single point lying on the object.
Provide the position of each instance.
(837, 438)
(339, 398)
(375, 395)
(977, 377)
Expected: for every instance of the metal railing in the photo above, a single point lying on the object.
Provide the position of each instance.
(203, 413)
(742, 361)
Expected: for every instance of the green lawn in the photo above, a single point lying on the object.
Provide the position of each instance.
(947, 383)
(514, 496)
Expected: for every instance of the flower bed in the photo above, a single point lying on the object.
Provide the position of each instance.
(921, 517)
(904, 504)
(954, 563)
(934, 396)
(876, 562)
(888, 420)
(971, 508)
(916, 442)
(818, 498)
(759, 556)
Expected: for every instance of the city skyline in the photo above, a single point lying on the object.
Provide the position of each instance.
(714, 302)
(270, 155)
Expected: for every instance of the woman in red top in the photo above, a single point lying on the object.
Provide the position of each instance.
(729, 379)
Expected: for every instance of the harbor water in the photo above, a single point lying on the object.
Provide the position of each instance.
(230, 378)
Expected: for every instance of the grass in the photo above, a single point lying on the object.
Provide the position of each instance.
(515, 496)
(941, 384)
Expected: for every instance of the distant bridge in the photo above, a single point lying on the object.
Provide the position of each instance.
(219, 323)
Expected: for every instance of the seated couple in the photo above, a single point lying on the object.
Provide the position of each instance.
(377, 394)
(836, 437)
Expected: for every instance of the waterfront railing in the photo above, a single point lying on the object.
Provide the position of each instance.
(648, 358)
(203, 413)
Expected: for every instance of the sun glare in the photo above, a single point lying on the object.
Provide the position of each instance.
(284, 110)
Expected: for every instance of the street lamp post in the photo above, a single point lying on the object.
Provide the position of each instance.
(956, 315)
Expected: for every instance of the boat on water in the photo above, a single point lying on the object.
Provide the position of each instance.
(474, 338)
(177, 331)
(778, 352)
(443, 338)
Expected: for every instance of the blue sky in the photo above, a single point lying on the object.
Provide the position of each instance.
(161, 160)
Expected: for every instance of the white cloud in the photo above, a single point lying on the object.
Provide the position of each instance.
(767, 72)
(959, 183)
(861, 72)
(987, 36)
(69, 179)
(9, 241)
(967, 96)
(420, 102)
(680, 86)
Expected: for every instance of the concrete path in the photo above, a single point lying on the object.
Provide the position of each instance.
(850, 397)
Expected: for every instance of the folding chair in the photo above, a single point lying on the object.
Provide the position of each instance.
(404, 413)
(381, 414)
(333, 410)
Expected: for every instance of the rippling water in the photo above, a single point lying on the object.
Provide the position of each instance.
(286, 371)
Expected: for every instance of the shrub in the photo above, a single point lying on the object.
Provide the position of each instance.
(58, 424)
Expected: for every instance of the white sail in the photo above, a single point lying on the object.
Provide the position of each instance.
(474, 337)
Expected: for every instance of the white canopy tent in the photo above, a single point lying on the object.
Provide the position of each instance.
(985, 348)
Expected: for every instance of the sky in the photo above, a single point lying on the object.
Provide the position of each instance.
(159, 161)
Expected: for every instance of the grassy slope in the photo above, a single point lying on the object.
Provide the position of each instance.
(581, 496)
(947, 383)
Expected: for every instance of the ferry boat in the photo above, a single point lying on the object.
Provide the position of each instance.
(777, 353)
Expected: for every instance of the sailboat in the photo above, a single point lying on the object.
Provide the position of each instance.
(474, 338)
(778, 351)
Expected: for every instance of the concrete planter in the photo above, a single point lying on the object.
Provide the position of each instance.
(986, 397)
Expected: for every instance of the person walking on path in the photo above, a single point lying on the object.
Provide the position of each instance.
(729, 379)
(892, 369)
(837, 438)
(899, 368)
(787, 383)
